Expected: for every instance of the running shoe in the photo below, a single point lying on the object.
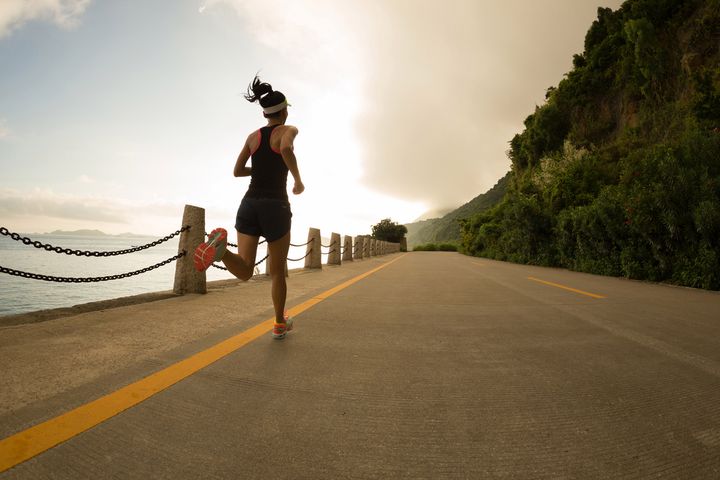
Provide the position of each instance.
(280, 329)
(211, 251)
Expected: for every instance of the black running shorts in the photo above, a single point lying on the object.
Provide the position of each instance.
(264, 217)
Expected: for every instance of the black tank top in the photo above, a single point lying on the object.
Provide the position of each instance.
(268, 173)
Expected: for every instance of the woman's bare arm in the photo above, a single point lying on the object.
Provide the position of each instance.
(241, 169)
(288, 154)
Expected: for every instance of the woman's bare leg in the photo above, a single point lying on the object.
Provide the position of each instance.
(278, 251)
(242, 264)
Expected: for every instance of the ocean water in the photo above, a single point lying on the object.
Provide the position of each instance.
(20, 295)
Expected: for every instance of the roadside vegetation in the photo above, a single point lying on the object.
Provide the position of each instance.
(618, 173)
(432, 247)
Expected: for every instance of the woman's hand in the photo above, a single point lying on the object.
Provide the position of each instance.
(298, 188)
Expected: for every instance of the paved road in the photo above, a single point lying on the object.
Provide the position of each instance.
(435, 366)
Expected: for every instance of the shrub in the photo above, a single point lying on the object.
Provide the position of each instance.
(432, 247)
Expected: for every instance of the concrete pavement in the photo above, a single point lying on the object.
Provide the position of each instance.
(436, 366)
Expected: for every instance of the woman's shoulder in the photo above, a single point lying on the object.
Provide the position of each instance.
(253, 140)
(287, 132)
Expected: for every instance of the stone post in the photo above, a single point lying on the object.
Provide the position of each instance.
(187, 279)
(403, 245)
(334, 253)
(366, 246)
(347, 255)
(314, 249)
(359, 247)
(373, 247)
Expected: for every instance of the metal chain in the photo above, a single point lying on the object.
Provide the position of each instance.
(223, 268)
(265, 241)
(234, 245)
(50, 278)
(302, 244)
(86, 253)
(298, 259)
(328, 253)
(328, 246)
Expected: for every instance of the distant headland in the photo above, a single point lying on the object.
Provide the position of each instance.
(91, 233)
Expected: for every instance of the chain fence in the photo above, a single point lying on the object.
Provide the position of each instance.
(87, 253)
(302, 244)
(328, 246)
(234, 244)
(51, 278)
(266, 256)
(97, 254)
(301, 258)
(256, 264)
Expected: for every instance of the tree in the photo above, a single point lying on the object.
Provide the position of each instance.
(389, 231)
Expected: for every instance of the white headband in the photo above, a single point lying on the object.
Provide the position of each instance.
(275, 108)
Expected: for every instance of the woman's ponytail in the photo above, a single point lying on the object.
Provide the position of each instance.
(257, 89)
(271, 101)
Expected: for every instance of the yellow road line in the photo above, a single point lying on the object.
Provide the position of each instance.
(581, 292)
(31, 442)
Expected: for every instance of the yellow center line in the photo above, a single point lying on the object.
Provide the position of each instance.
(31, 442)
(581, 292)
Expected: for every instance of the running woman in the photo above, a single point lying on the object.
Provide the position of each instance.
(264, 210)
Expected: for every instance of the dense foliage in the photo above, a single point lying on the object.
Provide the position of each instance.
(432, 247)
(388, 231)
(618, 173)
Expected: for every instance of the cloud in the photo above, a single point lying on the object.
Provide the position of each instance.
(46, 203)
(64, 13)
(452, 82)
(440, 87)
(46, 210)
(312, 35)
(4, 130)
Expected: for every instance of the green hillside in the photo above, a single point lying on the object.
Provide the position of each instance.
(618, 173)
(447, 228)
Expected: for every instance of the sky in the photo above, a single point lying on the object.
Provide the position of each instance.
(115, 114)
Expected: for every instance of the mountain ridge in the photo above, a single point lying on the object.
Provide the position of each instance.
(447, 227)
